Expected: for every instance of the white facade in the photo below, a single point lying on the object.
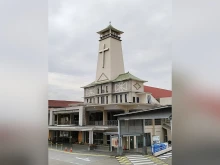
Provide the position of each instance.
(113, 91)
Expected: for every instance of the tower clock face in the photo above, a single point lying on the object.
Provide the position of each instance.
(90, 92)
(121, 86)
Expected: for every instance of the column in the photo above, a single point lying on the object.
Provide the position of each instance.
(153, 124)
(144, 145)
(105, 117)
(144, 139)
(111, 143)
(86, 117)
(51, 118)
(171, 126)
(90, 137)
(119, 150)
(135, 141)
(81, 116)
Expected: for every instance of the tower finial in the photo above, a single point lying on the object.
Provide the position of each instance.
(110, 23)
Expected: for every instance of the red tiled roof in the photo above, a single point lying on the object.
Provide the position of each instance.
(158, 92)
(60, 103)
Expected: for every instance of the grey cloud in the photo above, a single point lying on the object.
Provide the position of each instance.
(146, 43)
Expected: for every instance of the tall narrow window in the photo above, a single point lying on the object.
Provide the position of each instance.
(98, 90)
(133, 99)
(121, 98)
(157, 121)
(102, 91)
(102, 100)
(90, 100)
(87, 100)
(106, 99)
(98, 99)
(106, 89)
(137, 99)
(126, 98)
(116, 98)
(148, 121)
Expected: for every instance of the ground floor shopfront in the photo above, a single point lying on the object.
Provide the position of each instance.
(88, 137)
(100, 138)
(108, 135)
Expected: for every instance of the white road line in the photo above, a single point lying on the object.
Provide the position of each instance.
(147, 162)
(136, 155)
(140, 160)
(85, 159)
(151, 163)
(165, 156)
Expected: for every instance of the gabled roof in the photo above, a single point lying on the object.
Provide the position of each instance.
(108, 28)
(61, 103)
(96, 83)
(145, 110)
(121, 77)
(127, 76)
(158, 92)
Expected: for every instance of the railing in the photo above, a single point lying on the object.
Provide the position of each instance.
(107, 35)
(111, 123)
(75, 123)
(106, 123)
(95, 123)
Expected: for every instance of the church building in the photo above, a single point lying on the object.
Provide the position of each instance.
(112, 92)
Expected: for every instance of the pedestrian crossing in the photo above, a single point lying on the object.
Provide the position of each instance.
(165, 156)
(139, 160)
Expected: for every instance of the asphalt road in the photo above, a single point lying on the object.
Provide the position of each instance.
(67, 158)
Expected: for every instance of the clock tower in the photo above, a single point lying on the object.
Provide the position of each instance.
(110, 59)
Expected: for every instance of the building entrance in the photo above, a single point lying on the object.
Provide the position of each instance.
(148, 139)
(131, 142)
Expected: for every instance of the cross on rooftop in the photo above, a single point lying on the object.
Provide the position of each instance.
(103, 53)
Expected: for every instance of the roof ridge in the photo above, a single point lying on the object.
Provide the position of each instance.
(65, 100)
(157, 88)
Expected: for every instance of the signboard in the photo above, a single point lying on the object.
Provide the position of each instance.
(156, 139)
(115, 142)
(159, 147)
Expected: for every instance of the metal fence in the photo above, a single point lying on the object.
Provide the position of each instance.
(95, 123)
(106, 123)
(111, 123)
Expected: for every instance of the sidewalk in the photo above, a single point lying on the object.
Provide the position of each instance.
(77, 148)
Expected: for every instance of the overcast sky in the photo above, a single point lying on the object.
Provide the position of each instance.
(73, 42)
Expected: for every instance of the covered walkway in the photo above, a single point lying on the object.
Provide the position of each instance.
(132, 124)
